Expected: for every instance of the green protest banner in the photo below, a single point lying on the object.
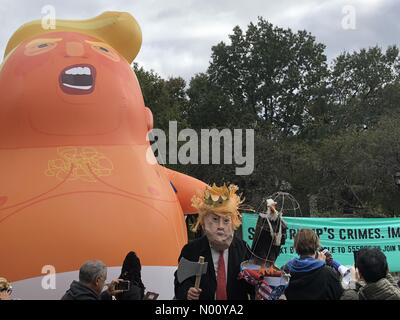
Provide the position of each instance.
(341, 236)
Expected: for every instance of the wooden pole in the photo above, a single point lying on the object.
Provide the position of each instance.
(198, 277)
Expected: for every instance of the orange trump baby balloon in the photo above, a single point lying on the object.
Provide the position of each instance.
(76, 181)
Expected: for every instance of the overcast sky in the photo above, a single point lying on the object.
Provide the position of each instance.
(178, 34)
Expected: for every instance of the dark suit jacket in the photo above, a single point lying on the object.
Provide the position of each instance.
(236, 289)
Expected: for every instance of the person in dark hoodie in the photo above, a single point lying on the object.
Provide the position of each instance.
(92, 277)
(311, 278)
(131, 271)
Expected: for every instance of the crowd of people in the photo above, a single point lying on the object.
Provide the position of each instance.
(92, 277)
(209, 266)
(313, 278)
(92, 282)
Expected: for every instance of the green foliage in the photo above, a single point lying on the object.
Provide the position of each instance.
(166, 98)
(328, 135)
(269, 76)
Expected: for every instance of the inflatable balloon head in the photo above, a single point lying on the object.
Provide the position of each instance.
(75, 82)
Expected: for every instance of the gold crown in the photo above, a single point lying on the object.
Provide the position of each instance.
(216, 196)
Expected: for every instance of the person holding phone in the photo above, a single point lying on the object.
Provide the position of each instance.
(92, 277)
(371, 279)
(131, 280)
(311, 278)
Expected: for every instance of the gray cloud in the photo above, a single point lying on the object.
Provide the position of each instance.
(376, 24)
(178, 34)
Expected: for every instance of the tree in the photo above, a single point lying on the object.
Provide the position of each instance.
(168, 101)
(269, 76)
(327, 134)
(265, 79)
(360, 83)
(355, 169)
(166, 98)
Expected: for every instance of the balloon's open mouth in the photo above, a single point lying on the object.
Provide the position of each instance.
(78, 79)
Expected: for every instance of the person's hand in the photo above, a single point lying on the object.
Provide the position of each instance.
(193, 293)
(5, 295)
(321, 256)
(111, 287)
(355, 275)
(350, 281)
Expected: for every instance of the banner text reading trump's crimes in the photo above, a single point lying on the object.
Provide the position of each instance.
(341, 236)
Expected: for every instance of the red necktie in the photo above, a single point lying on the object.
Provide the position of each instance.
(221, 278)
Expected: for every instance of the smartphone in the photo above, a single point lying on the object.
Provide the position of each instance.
(320, 249)
(150, 296)
(355, 253)
(124, 285)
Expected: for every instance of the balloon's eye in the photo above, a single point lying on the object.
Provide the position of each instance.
(105, 51)
(40, 46)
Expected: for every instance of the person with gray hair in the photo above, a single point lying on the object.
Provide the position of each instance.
(92, 277)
